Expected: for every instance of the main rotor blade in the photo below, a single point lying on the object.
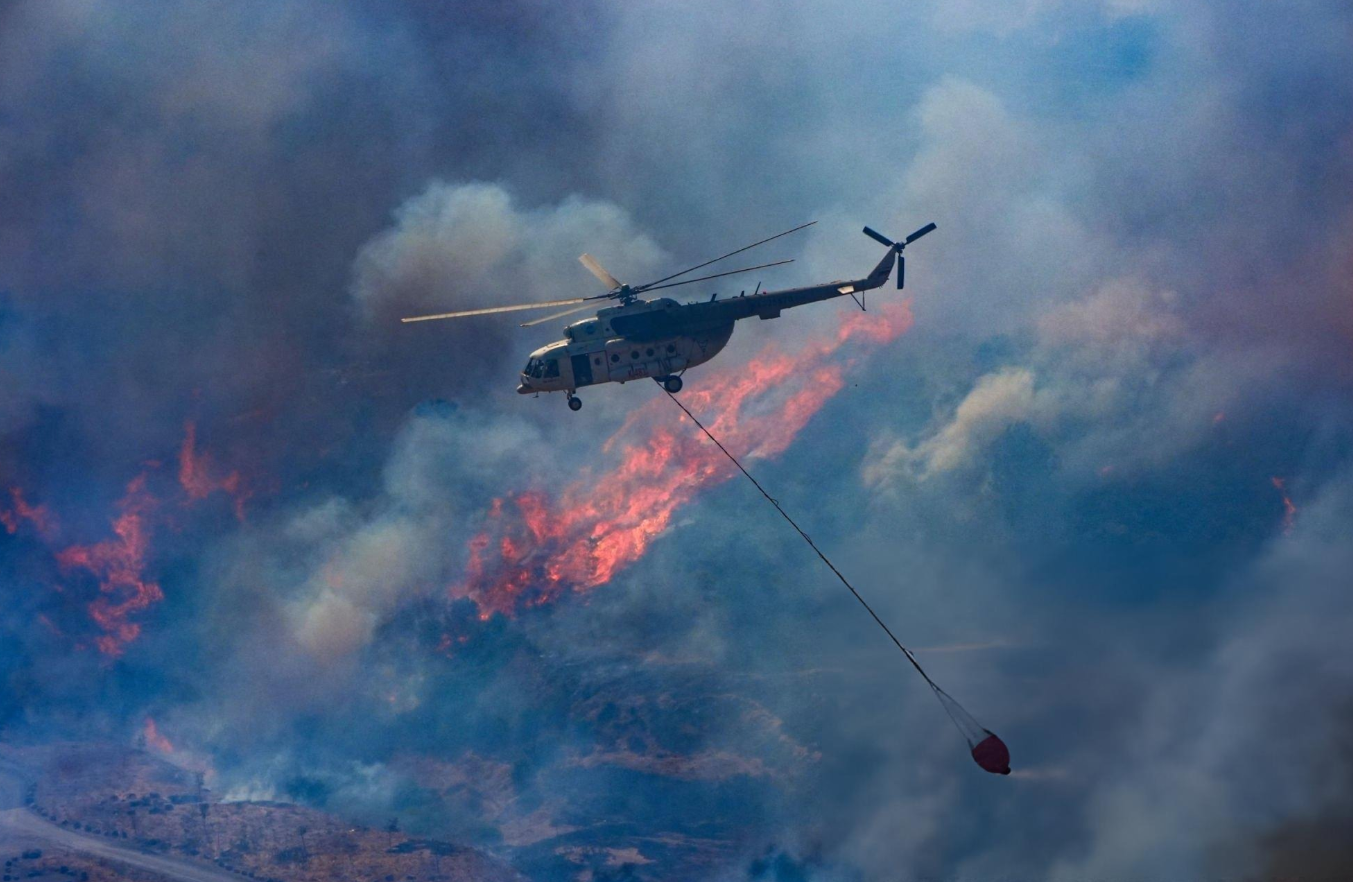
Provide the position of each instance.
(919, 233)
(492, 309)
(651, 285)
(595, 268)
(541, 321)
(745, 269)
(878, 237)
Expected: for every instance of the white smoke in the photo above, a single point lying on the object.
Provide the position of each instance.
(458, 246)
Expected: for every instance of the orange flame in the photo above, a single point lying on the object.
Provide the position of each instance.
(154, 739)
(197, 473)
(600, 524)
(38, 515)
(119, 565)
(1289, 509)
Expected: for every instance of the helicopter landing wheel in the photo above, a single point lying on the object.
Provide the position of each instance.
(672, 384)
(575, 403)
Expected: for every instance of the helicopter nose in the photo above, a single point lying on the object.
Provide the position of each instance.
(523, 389)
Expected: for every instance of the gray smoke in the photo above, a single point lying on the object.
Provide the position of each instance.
(1058, 486)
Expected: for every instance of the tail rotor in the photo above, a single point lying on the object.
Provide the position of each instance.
(898, 246)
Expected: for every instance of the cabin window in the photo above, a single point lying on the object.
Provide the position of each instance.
(634, 354)
(552, 368)
(615, 357)
(670, 349)
(597, 362)
(650, 352)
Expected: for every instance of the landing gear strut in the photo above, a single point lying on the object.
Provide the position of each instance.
(574, 403)
(671, 384)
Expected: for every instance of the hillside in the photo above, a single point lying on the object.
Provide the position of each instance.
(132, 797)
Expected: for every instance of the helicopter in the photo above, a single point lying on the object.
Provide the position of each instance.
(661, 339)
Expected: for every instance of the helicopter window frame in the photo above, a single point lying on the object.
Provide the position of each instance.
(551, 368)
(615, 357)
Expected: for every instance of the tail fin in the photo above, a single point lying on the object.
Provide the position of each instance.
(885, 267)
(883, 270)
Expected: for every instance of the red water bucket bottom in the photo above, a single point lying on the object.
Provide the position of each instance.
(992, 755)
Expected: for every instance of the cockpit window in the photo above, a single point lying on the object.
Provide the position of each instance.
(540, 368)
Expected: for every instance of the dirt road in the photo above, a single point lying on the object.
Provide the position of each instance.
(23, 824)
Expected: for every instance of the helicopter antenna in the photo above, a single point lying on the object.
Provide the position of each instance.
(651, 285)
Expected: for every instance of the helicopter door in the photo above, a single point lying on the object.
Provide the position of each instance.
(582, 370)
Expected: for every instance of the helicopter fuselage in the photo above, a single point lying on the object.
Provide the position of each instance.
(657, 342)
(661, 338)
